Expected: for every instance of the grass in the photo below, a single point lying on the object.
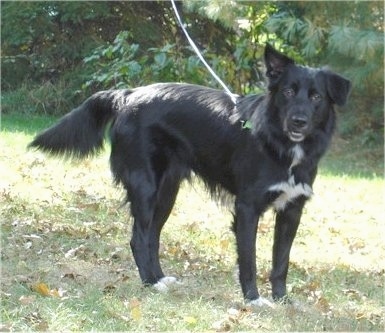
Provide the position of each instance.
(66, 263)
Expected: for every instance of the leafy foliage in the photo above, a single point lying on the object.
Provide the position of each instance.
(343, 32)
(122, 63)
(86, 46)
(40, 36)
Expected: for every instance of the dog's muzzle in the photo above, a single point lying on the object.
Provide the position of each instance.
(297, 127)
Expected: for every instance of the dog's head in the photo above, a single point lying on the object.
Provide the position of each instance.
(302, 96)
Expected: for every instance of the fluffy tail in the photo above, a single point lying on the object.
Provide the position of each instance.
(81, 132)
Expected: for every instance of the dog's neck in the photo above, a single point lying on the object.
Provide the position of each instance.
(298, 154)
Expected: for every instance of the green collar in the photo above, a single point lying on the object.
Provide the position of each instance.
(246, 124)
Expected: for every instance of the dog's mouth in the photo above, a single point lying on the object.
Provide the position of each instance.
(296, 136)
(296, 128)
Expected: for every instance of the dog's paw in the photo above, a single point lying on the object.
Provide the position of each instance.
(168, 280)
(163, 284)
(261, 302)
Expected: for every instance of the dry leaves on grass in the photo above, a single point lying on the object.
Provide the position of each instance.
(135, 309)
(239, 315)
(43, 290)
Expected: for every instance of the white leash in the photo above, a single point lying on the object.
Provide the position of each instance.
(195, 48)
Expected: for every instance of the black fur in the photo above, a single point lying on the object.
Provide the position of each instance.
(263, 150)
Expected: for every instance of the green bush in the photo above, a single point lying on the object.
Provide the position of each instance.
(123, 64)
(48, 98)
(56, 53)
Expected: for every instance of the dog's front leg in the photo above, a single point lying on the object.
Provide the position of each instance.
(245, 227)
(286, 225)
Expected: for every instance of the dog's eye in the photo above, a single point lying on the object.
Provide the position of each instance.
(315, 97)
(289, 92)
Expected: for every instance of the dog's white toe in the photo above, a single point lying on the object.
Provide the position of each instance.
(260, 302)
(163, 284)
(161, 287)
(168, 280)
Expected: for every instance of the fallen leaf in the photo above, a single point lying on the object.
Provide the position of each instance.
(124, 318)
(235, 315)
(74, 252)
(135, 309)
(356, 244)
(264, 227)
(221, 326)
(108, 289)
(70, 276)
(54, 293)
(25, 300)
(190, 320)
(36, 321)
(313, 285)
(224, 244)
(44, 290)
(6, 327)
(41, 288)
(323, 304)
(42, 326)
(353, 294)
(27, 245)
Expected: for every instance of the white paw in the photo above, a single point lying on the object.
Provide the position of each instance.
(163, 284)
(168, 280)
(260, 302)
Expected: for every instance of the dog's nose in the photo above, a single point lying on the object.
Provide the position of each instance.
(298, 121)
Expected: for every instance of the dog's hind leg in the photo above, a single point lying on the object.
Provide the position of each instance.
(166, 195)
(142, 193)
(140, 167)
(152, 199)
(149, 166)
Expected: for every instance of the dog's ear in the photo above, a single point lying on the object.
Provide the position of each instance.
(338, 88)
(276, 62)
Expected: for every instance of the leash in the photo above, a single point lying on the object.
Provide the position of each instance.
(198, 53)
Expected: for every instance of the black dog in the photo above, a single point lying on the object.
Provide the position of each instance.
(264, 150)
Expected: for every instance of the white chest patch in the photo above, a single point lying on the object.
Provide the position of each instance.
(289, 189)
(298, 154)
